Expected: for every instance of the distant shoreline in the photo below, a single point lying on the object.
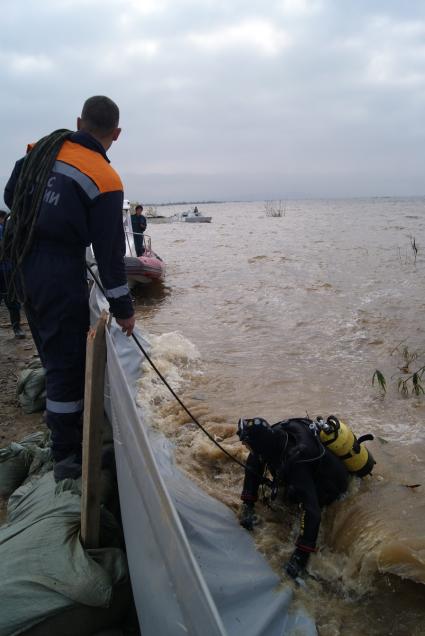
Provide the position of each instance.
(286, 199)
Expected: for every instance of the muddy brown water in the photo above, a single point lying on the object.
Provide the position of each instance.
(288, 316)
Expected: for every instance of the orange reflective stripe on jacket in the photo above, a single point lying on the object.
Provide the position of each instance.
(92, 164)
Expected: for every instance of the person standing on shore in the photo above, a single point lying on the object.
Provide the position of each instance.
(64, 196)
(11, 303)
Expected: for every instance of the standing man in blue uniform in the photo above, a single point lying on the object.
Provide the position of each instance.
(82, 204)
(139, 223)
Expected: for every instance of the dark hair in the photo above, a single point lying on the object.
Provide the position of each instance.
(100, 115)
(3, 214)
(139, 207)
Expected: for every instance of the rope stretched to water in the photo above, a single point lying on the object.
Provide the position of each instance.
(174, 394)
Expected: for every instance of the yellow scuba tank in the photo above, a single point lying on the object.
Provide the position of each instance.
(342, 442)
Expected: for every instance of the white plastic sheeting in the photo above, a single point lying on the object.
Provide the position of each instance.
(193, 569)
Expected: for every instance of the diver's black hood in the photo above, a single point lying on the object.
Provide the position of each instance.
(266, 441)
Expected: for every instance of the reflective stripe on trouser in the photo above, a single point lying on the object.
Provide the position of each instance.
(58, 313)
(65, 422)
(75, 406)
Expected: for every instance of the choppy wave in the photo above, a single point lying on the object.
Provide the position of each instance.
(376, 529)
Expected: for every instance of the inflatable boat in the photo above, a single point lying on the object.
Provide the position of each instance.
(140, 269)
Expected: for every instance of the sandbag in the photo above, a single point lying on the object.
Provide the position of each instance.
(86, 621)
(17, 461)
(45, 571)
(31, 389)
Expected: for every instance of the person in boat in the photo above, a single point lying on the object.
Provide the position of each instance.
(311, 475)
(6, 293)
(195, 210)
(139, 224)
(69, 208)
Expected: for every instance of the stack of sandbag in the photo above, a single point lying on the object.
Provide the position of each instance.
(49, 584)
(19, 459)
(31, 389)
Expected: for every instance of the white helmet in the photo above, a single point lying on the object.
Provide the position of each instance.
(126, 205)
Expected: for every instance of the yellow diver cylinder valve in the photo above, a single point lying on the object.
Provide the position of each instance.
(341, 441)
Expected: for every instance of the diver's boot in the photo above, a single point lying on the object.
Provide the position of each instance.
(297, 563)
(247, 516)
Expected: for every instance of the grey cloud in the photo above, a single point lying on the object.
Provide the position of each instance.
(344, 99)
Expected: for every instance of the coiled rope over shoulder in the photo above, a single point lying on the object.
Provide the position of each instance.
(27, 199)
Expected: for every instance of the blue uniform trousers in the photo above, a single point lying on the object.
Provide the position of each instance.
(58, 315)
(138, 244)
(11, 303)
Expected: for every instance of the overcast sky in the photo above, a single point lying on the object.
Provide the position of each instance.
(227, 99)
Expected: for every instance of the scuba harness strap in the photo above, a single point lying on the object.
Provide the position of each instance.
(302, 435)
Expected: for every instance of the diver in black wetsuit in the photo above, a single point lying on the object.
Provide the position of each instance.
(295, 457)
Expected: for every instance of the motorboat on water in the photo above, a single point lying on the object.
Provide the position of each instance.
(140, 269)
(192, 216)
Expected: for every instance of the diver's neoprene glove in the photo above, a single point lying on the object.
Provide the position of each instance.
(247, 515)
(297, 563)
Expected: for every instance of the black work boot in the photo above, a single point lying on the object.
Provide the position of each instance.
(19, 334)
(15, 319)
(68, 468)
